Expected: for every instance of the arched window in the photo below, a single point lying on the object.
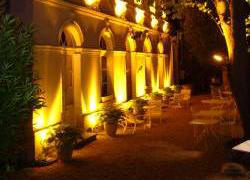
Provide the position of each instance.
(104, 70)
(106, 43)
(104, 65)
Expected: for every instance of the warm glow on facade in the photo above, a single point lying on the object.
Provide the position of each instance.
(55, 111)
(165, 27)
(152, 8)
(38, 119)
(154, 21)
(120, 77)
(93, 3)
(139, 17)
(139, 2)
(163, 15)
(92, 120)
(120, 8)
(40, 137)
(96, 41)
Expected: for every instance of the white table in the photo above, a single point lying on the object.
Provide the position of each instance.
(207, 126)
(209, 113)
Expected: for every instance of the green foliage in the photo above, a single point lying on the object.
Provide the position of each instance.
(19, 93)
(175, 11)
(64, 136)
(112, 114)
(3, 7)
(157, 96)
(168, 90)
(138, 106)
(177, 88)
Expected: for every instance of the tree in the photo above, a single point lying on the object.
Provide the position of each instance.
(231, 17)
(19, 94)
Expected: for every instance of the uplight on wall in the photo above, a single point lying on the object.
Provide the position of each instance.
(120, 8)
(165, 27)
(92, 3)
(152, 8)
(139, 17)
(139, 2)
(154, 22)
(163, 15)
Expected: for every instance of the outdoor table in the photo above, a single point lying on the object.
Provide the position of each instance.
(213, 101)
(210, 113)
(208, 129)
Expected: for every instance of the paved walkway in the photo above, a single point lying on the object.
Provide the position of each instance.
(167, 152)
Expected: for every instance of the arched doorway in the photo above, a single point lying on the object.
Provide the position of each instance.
(106, 43)
(147, 49)
(130, 45)
(70, 36)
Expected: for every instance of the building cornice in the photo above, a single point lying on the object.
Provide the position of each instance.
(98, 15)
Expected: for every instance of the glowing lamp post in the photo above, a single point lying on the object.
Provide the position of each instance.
(225, 69)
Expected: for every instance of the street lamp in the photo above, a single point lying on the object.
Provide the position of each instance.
(225, 68)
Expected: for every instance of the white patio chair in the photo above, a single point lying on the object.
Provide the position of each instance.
(154, 110)
(132, 120)
(175, 101)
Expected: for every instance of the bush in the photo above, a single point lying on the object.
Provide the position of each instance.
(19, 93)
(139, 103)
(112, 114)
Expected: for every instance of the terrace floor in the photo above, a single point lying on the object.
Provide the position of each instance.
(167, 151)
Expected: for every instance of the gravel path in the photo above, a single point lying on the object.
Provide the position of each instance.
(167, 151)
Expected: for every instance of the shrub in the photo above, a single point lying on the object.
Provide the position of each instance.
(19, 93)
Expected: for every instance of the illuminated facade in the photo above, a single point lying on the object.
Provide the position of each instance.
(89, 52)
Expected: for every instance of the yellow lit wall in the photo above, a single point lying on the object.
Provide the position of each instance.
(154, 21)
(166, 71)
(161, 70)
(171, 66)
(49, 65)
(120, 8)
(154, 73)
(139, 17)
(119, 66)
(91, 2)
(90, 95)
(165, 27)
(139, 69)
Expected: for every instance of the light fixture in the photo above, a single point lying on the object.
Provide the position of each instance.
(120, 8)
(154, 22)
(139, 2)
(218, 58)
(165, 27)
(139, 17)
(152, 8)
(92, 3)
(163, 15)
